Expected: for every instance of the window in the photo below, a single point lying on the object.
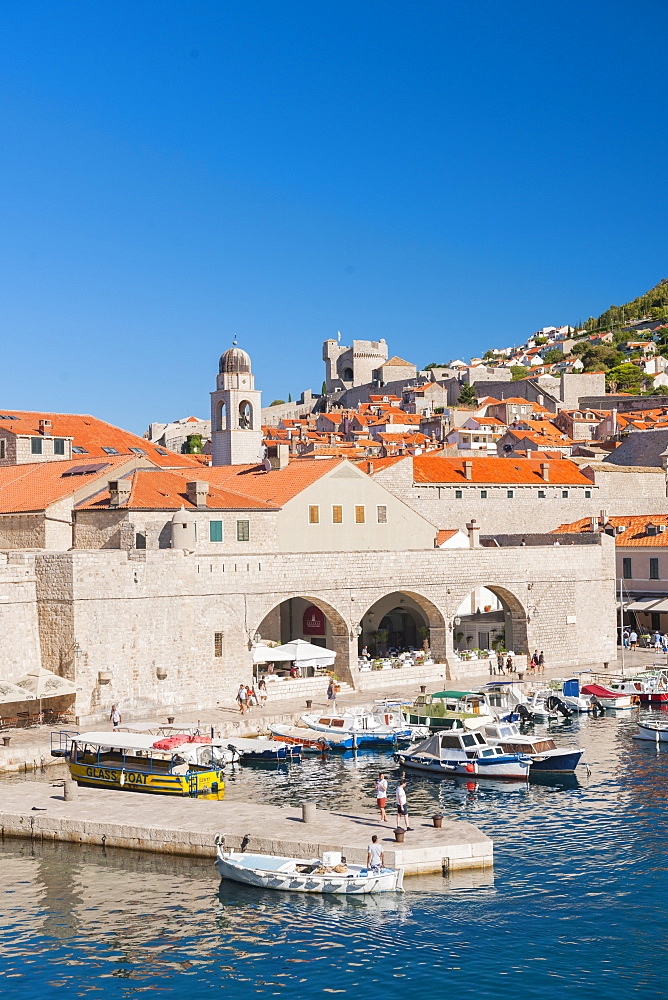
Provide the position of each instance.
(137, 451)
(3, 448)
(483, 494)
(564, 494)
(36, 446)
(360, 515)
(627, 571)
(541, 494)
(314, 514)
(160, 451)
(140, 540)
(510, 494)
(587, 494)
(656, 621)
(110, 451)
(215, 531)
(381, 514)
(217, 643)
(58, 446)
(654, 569)
(458, 494)
(78, 450)
(243, 531)
(337, 514)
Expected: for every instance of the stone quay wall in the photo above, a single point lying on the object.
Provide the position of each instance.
(160, 630)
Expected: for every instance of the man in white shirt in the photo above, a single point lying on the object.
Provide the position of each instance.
(115, 717)
(381, 795)
(375, 855)
(402, 804)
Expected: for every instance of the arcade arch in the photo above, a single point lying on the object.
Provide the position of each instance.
(401, 620)
(490, 618)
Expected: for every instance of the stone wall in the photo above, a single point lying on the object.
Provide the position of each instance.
(150, 618)
(22, 531)
(19, 638)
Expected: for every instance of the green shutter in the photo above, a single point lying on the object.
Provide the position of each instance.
(215, 531)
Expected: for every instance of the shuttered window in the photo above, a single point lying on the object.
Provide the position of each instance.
(215, 531)
(243, 531)
(314, 514)
(381, 514)
(359, 515)
(654, 569)
(217, 643)
(337, 514)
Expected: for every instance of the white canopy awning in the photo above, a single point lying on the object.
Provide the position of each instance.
(41, 683)
(642, 604)
(298, 651)
(12, 692)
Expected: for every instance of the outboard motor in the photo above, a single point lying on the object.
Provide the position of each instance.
(557, 705)
(596, 707)
(524, 713)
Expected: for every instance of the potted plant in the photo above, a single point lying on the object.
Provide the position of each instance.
(424, 632)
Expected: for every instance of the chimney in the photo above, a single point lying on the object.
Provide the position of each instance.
(197, 492)
(545, 471)
(45, 427)
(604, 518)
(474, 533)
(468, 469)
(119, 491)
(593, 524)
(279, 455)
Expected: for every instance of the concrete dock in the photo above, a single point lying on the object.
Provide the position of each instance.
(165, 825)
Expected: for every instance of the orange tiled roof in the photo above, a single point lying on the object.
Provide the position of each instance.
(372, 465)
(634, 535)
(35, 487)
(156, 489)
(522, 471)
(277, 486)
(91, 434)
(445, 534)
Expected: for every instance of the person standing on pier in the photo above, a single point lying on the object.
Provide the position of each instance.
(331, 696)
(115, 717)
(242, 698)
(402, 804)
(381, 795)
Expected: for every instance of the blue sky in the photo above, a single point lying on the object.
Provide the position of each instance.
(450, 176)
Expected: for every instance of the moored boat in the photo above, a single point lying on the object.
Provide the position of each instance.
(464, 753)
(656, 732)
(331, 874)
(546, 756)
(132, 762)
(365, 727)
(607, 698)
(447, 710)
(260, 748)
(309, 740)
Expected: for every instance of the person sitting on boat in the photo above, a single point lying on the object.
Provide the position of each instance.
(375, 855)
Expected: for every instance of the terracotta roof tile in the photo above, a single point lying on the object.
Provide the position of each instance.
(521, 471)
(635, 533)
(35, 487)
(156, 489)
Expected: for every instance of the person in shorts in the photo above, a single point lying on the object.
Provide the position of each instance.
(375, 855)
(381, 795)
(402, 804)
(115, 717)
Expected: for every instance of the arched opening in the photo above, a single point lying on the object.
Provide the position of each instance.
(220, 416)
(490, 620)
(315, 621)
(245, 415)
(347, 375)
(400, 622)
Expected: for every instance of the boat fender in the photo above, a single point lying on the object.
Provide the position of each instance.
(122, 779)
(470, 767)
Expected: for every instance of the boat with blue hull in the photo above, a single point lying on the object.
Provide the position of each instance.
(465, 754)
(376, 728)
(546, 756)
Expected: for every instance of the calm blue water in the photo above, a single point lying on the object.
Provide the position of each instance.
(575, 905)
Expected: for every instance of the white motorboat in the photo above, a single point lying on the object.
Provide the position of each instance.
(546, 756)
(608, 698)
(463, 753)
(569, 692)
(656, 732)
(261, 748)
(366, 727)
(537, 704)
(331, 874)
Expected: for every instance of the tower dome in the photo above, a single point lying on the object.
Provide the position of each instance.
(234, 362)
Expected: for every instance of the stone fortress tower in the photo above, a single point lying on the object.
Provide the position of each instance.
(346, 367)
(236, 408)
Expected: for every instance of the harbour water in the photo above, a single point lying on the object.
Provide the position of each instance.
(574, 905)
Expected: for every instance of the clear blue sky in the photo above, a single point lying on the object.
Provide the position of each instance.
(447, 175)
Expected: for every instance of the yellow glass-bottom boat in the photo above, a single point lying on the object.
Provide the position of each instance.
(131, 762)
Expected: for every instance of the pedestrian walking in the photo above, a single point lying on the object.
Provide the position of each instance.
(509, 665)
(381, 795)
(657, 640)
(633, 639)
(115, 717)
(242, 698)
(541, 662)
(375, 855)
(402, 804)
(499, 663)
(262, 691)
(331, 696)
(626, 638)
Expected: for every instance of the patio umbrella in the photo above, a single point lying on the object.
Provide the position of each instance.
(12, 692)
(306, 654)
(41, 683)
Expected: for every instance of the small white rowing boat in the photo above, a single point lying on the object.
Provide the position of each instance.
(331, 874)
(657, 732)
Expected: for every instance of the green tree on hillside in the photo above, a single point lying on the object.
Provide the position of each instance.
(624, 378)
(553, 357)
(277, 402)
(467, 395)
(653, 303)
(599, 357)
(517, 372)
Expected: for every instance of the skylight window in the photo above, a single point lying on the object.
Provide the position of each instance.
(110, 451)
(78, 450)
(138, 451)
(161, 451)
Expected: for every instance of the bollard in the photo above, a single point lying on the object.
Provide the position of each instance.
(399, 835)
(5, 740)
(309, 702)
(308, 812)
(70, 790)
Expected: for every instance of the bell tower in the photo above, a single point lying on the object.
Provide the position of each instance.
(236, 412)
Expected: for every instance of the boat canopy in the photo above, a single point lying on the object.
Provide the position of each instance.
(599, 692)
(458, 695)
(123, 741)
